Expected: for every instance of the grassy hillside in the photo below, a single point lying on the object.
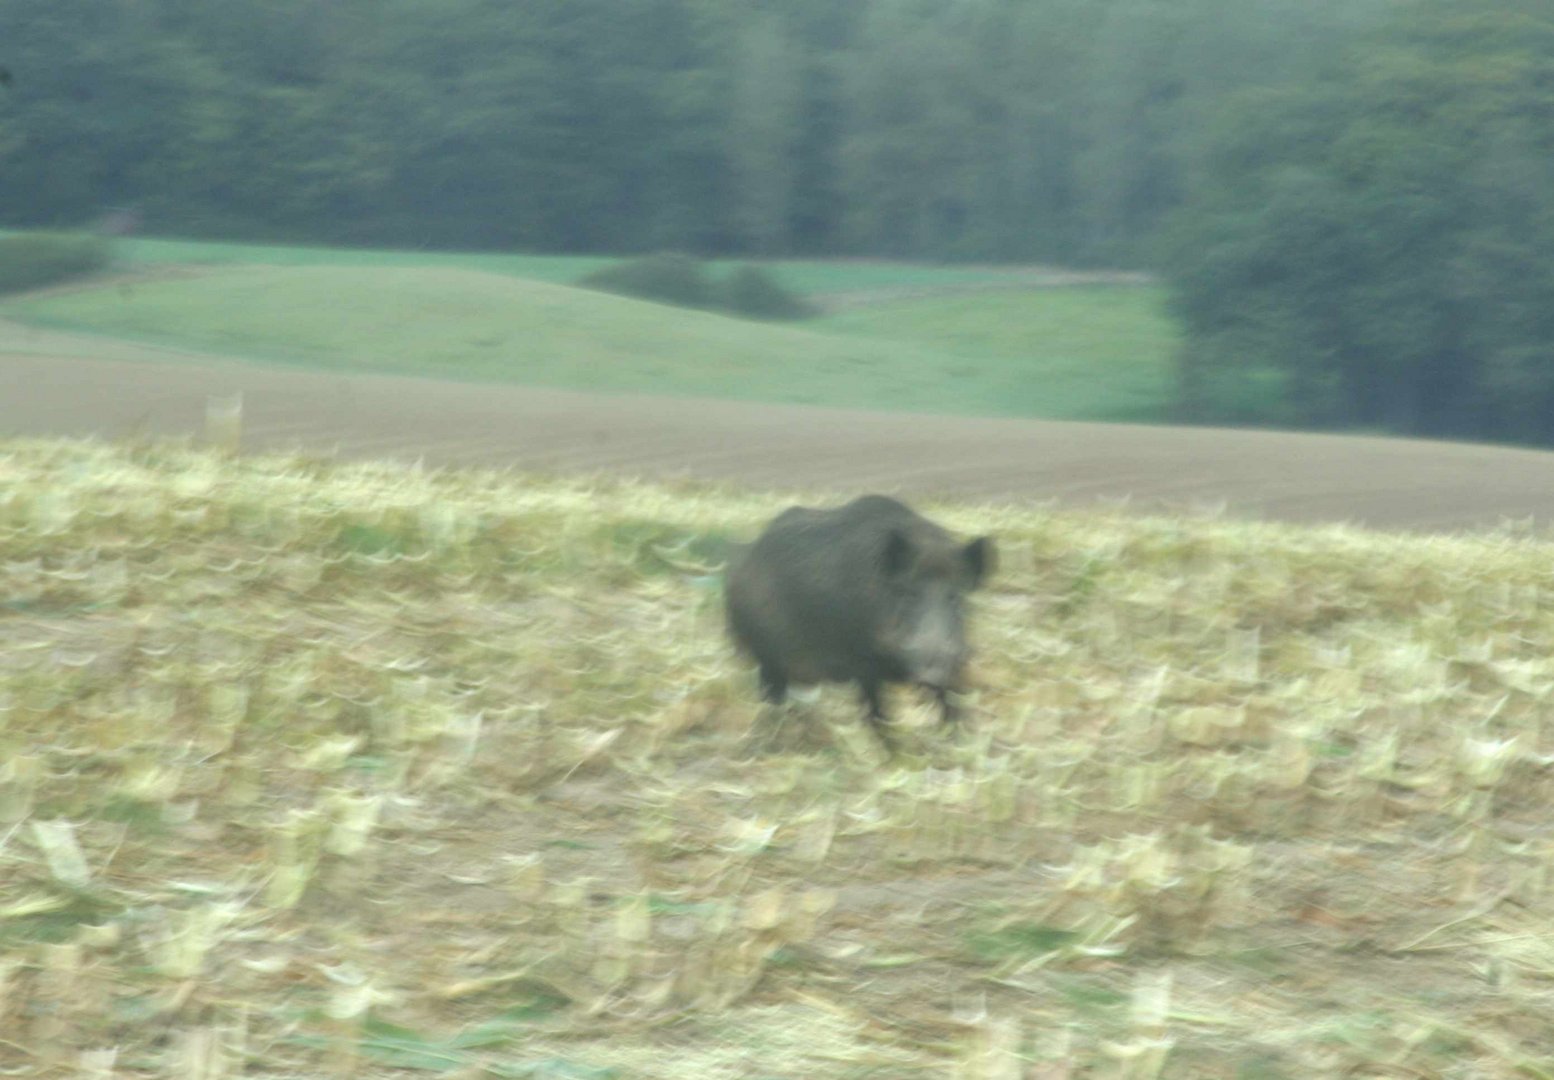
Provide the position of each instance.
(1102, 353)
(815, 276)
(313, 770)
(467, 324)
(150, 252)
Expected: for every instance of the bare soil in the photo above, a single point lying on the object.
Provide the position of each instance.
(77, 385)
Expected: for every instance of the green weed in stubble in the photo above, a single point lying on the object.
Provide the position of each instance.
(1020, 940)
(54, 918)
(651, 547)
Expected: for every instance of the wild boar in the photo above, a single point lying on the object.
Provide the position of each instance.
(870, 592)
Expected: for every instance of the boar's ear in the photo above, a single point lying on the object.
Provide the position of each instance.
(981, 559)
(898, 553)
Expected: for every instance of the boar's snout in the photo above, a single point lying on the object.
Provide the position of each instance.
(934, 650)
(939, 672)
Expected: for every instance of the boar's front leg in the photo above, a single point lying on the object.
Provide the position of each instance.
(872, 699)
(949, 715)
(774, 685)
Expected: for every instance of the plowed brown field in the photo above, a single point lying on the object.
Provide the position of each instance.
(63, 384)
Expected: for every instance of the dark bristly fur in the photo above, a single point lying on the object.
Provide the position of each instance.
(869, 592)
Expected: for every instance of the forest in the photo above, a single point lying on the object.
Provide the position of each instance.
(980, 129)
(1352, 201)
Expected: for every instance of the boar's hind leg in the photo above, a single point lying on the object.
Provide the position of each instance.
(876, 714)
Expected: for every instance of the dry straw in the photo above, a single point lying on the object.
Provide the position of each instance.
(311, 768)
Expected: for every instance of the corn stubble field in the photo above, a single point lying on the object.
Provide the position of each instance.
(319, 769)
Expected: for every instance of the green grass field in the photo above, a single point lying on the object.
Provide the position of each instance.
(154, 252)
(1097, 352)
(350, 770)
(1091, 353)
(815, 277)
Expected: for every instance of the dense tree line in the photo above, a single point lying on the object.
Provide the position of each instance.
(1374, 247)
(986, 129)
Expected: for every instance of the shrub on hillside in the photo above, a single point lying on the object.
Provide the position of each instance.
(667, 278)
(32, 260)
(749, 291)
(753, 292)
